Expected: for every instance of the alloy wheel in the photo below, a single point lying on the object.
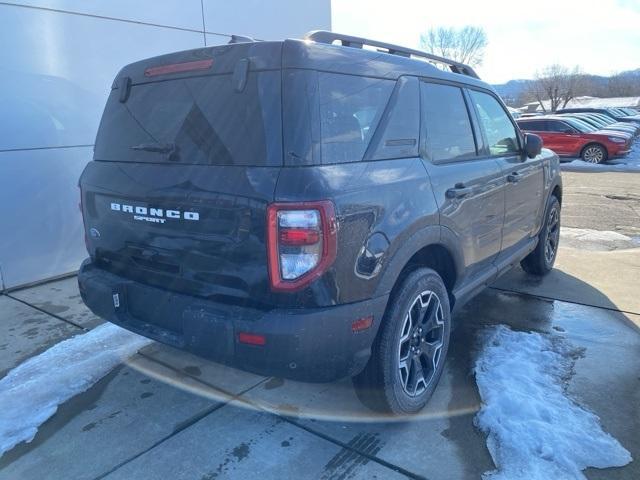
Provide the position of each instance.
(553, 235)
(593, 154)
(421, 342)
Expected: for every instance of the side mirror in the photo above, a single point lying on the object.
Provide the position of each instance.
(532, 145)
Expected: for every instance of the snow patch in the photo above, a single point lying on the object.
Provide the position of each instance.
(31, 392)
(587, 239)
(534, 430)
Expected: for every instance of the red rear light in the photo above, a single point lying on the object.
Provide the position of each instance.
(362, 324)
(178, 67)
(299, 236)
(301, 243)
(252, 339)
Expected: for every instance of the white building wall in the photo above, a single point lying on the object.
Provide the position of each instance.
(57, 62)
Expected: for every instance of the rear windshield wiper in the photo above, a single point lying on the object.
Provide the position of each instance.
(156, 147)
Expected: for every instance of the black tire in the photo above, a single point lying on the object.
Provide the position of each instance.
(384, 385)
(541, 260)
(594, 153)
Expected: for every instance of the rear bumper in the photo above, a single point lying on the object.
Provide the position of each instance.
(315, 345)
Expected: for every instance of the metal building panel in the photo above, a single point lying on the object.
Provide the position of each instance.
(175, 13)
(42, 234)
(57, 73)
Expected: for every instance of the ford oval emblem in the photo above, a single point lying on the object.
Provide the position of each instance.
(94, 232)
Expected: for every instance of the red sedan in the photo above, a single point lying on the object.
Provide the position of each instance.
(571, 137)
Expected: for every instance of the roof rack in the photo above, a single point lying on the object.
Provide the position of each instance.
(324, 36)
(241, 39)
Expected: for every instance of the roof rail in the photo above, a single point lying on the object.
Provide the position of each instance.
(324, 36)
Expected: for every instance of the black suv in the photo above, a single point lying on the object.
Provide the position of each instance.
(310, 210)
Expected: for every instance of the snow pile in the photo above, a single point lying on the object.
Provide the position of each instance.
(535, 431)
(587, 239)
(31, 392)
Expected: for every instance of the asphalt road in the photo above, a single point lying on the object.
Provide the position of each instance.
(602, 201)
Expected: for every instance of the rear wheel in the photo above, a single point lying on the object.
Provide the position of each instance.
(594, 153)
(408, 356)
(541, 260)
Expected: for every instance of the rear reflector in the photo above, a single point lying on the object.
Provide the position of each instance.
(251, 338)
(362, 324)
(178, 67)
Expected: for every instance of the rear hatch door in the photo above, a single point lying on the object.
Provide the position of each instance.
(186, 160)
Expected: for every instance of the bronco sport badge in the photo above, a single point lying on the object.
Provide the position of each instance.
(154, 215)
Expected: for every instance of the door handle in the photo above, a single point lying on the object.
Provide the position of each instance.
(513, 177)
(459, 191)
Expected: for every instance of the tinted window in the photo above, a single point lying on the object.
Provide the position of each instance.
(579, 125)
(195, 120)
(537, 125)
(560, 127)
(501, 134)
(350, 109)
(446, 122)
(397, 133)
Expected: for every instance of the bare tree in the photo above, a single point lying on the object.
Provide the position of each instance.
(558, 85)
(465, 45)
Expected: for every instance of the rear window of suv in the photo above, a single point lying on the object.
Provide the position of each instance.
(350, 110)
(330, 118)
(201, 120)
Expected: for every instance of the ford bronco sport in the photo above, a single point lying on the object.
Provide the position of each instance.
(311, 209)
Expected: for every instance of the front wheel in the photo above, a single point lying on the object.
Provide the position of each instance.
(594, 153)
(408, 355)
(541, 260)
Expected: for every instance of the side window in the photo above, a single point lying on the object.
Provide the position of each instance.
(350, 109)
(501, 134)
(532, 126)
(556, 126)
(446, 123)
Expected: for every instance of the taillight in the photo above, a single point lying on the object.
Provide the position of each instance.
(301, 243)
(84, 227)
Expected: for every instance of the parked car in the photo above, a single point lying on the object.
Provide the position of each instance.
(630, 111)
(570, 137)
(531, 114)
(624, 129)
(610, 122)
(619, 116)
(311, 210)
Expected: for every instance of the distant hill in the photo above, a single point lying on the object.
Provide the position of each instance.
(511, 90)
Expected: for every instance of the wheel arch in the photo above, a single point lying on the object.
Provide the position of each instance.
(434, 248)
(557, 192)
(595, 142)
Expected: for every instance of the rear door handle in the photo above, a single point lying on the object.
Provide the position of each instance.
(459, 191)
(513, 177)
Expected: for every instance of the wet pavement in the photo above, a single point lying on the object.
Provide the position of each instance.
(169, 414)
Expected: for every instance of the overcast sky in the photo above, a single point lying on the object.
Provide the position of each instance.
(602, 37)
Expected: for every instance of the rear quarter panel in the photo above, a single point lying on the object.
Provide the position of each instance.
(379, 205)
